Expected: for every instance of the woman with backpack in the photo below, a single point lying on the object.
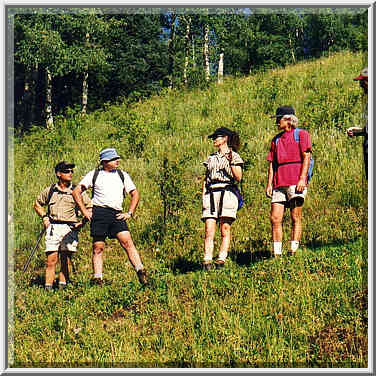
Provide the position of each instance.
(220, 194)
(289, 163)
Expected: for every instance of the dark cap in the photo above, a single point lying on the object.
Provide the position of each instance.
(63, 166)
(284, 110)
(221, 132)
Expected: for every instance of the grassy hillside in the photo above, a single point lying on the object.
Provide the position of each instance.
(309, 311)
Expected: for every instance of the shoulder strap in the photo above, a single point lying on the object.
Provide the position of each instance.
(96, 172)
(50, 193)
(296, 134)
(121, 175)
(122, 179)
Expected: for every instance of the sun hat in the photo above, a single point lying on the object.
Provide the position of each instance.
(223, 131)
(64, 166)
(363, 75)
(108, 154)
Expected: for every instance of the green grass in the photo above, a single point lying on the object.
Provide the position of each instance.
(307, 311)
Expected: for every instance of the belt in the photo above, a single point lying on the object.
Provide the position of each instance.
(211, 190)
(54, 222)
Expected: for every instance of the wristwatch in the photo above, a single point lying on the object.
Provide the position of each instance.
(130, 214)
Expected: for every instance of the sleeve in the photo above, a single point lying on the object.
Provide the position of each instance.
(87, 201)
(43, 196)
(237, 160)
(271, 153)
(128, 183)
(305, 143)
(87, 180)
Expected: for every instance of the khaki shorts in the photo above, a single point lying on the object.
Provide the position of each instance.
(60, 237)
(229, 208)
(286, 194)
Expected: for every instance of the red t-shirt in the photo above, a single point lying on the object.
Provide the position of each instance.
(287, 151)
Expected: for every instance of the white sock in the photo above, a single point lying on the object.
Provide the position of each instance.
(98, 275)
(139, 267)
(222, 255)
(277, 248)
(294, 245)
(62, 283)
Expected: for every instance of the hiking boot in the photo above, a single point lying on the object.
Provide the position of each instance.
(291, 253)
(96, 282)
(62, 286)
(206, 266)
(48, 288)
(141, 274)
(220, 264)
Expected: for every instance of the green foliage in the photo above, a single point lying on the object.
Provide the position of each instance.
(307, 311)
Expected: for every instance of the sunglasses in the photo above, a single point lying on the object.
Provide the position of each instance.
(67, 171)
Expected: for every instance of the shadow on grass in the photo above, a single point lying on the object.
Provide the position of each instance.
(182, 265)
(38, 280)
(317, 245)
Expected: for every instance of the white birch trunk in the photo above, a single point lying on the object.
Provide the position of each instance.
(220, 68)
(186, 52)
(206, 53)
(85, 90)
(49, 117)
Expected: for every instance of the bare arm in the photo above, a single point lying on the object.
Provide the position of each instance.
(269, 186)
(135, 198)
(237, 172)
(77, 196)
(42, 213)
(302, 183)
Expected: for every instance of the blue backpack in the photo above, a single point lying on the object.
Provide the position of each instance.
(296, 138)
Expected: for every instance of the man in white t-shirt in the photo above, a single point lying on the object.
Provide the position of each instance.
(107, 218)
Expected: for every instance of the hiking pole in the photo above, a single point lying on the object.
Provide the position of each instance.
(35, 248)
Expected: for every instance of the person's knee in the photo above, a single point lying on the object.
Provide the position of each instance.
(275, 219)
(51, 261)
(225, 230)
(98, 249)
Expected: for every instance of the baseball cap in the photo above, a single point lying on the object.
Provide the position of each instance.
(223, 131)
(64, 166)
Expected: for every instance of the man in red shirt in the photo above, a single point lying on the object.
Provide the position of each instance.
(289, 162)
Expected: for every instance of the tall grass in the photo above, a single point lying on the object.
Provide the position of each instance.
(308, 311)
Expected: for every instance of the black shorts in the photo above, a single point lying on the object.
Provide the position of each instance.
(104, 223)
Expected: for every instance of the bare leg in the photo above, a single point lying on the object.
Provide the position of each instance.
(98, 248)
(65, 261)
(210, 227)
(52, 258)
(276, 217)
(225, 226)
(296, 219)
(126, 242)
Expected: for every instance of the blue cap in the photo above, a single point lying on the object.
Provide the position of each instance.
(108, 154)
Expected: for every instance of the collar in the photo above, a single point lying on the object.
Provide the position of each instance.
(68, 189)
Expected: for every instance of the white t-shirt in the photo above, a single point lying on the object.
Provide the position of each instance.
(108, 190)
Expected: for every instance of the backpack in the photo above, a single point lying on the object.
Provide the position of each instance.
(297, 139)
(96, 172)
(51, 192)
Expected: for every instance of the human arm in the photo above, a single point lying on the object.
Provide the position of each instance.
(236, 165)
(269, 186)
(302, 182)
(77, 196)
(42, 213)
(135, 198)
(355, 131)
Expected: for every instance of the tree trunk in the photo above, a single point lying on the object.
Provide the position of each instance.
(220, 68)
(171, 52)
(206, 53)
(186, 49)
(49, 117)
(292, 50)
(85, 89)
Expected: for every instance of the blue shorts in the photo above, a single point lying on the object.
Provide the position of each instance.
(104, 223)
